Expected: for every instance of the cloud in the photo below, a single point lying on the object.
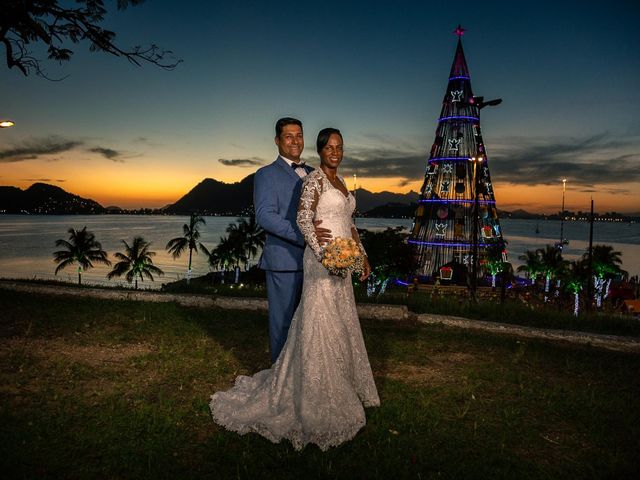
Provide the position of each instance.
(384, 162)
(36, 147)
(145, 141)
(241, 162)
(32, 149)
(108, 153)
(588, 161)
(42, 180)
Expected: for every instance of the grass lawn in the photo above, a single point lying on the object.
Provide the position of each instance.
(106, 389)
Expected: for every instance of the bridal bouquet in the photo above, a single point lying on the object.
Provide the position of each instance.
(341, 256)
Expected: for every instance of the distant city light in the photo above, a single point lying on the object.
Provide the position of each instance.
(456, 201)
(6, 124)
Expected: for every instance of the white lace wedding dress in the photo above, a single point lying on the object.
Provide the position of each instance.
(315, 391)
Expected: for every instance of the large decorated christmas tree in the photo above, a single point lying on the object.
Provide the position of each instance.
(456, 230)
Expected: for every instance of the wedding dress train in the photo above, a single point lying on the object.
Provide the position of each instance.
(316, 389)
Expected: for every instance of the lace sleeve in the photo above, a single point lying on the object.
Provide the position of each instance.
(311, 190)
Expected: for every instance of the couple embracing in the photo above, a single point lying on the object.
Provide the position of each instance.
(321, 377)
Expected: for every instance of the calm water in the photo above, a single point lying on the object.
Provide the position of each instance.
(27, 241)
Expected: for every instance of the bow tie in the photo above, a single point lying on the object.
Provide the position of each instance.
(297, 165)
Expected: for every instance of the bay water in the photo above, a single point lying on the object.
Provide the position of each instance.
(27, 242)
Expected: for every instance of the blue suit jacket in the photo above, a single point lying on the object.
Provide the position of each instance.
(276, 195)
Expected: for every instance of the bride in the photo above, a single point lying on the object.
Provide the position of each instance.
(316, 389)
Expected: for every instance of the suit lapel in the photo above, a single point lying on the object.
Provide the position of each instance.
(290, 171)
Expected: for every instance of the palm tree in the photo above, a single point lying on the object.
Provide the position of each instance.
(212, 256)
(531, 266)
(606, 265)
(575, 280)
(495, 264)
(255, 237)
(231, 251)
(82, 248)
(226, 251)
(136, 262)
(190, 235)
(551, 264)
(249, 235)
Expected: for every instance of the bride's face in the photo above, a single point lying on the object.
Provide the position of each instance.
(331, 153)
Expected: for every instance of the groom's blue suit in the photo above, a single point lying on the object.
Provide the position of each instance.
(276, 195)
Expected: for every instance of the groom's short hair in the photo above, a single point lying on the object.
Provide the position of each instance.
(284, 121)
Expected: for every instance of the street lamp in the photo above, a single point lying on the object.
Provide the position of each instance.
(6, 123)
(561, 243)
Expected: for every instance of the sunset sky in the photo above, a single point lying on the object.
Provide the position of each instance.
(568, 73)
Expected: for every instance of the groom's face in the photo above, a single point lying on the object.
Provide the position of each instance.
(290, 142)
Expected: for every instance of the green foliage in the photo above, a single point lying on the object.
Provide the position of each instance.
(532, 264)
(495, 264)
(136, 263)
(606, 261)
(241, 245)
(575, 276)
(82, 249)
(389, 255)
(551, 261)
(57, 25)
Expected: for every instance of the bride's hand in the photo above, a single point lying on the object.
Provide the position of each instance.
(367, 270)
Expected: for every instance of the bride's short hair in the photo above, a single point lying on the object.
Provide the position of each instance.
(323, 137)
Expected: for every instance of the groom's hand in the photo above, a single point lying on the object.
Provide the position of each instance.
(322, 234)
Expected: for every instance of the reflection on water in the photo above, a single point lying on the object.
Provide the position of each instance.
(27, 241)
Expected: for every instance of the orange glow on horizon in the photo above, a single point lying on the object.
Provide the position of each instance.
(154, 183)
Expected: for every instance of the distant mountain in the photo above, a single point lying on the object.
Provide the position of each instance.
(393, 210)
(368, 200)
(41, 198)
(519, 213)
(212, 197)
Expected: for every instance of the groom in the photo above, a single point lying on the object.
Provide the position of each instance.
(276, 195)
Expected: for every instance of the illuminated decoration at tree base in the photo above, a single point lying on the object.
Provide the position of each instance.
(457, 218)
(446, 273)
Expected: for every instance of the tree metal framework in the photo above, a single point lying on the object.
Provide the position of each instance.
(456, 221)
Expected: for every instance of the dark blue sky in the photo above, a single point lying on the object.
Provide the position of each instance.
(567, 72)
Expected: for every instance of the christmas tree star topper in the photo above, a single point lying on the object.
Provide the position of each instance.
(459, 31)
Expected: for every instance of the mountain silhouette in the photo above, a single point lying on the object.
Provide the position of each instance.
(211, 197)
(393, 210)
(367, 201)
(42, 198)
